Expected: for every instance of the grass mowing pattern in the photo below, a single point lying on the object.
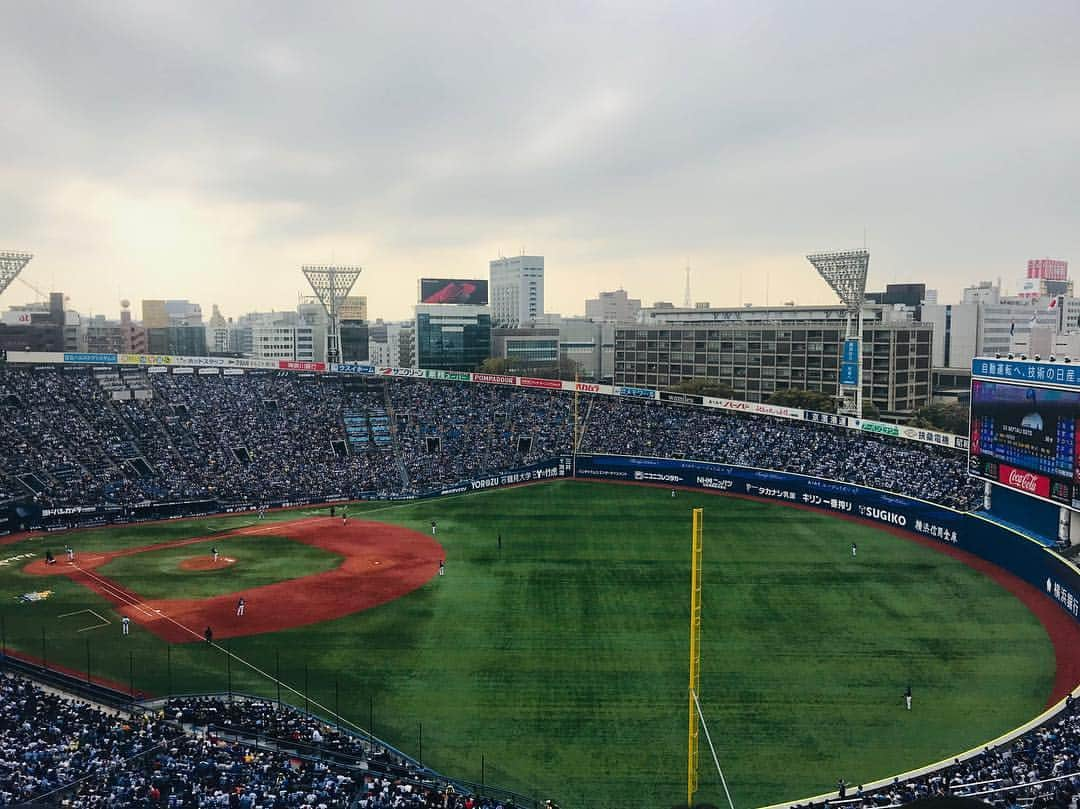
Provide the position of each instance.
(261, 560)
(563, 659)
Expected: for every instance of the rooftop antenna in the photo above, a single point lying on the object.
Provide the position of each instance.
(687, 300)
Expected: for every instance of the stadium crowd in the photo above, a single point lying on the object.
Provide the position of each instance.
(210, 752)
(631, 427)
(261, 437)
(59, 751)
(1039, 769)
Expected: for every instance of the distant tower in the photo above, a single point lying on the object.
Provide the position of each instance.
(688, 302)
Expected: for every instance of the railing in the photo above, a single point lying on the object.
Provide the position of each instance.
(67, 682)
(405, 768)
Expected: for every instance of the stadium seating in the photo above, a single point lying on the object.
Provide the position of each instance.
(64, 752)
(259, 437)
(65, 441)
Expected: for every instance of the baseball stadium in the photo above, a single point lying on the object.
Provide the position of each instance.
(346, 585)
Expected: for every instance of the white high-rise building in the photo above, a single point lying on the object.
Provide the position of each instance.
(517, 290)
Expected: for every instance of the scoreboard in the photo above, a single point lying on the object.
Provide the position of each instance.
(1024, 436)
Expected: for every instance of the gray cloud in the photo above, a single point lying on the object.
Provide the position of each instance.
(205, 150)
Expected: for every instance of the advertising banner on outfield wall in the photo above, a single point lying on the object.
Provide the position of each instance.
(529, 382)
(1020, 555)
(35, 518)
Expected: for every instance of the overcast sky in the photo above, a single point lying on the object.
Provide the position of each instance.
(207, 150)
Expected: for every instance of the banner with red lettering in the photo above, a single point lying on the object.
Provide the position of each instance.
(529, 382)
(1024, 481)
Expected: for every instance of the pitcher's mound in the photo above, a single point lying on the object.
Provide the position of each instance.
(207, 563)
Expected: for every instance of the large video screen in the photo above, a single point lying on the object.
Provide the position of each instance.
(453, 290)
(1026, 438)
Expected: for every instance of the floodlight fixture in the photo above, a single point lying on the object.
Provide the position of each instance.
(845, 272)
(332, 284)
(11, 264)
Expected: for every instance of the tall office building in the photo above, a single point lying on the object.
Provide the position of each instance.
(613, 307)
(760, 350)
(452, 337)
(517, 290)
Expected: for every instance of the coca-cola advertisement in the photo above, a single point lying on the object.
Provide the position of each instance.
(1029, 482)
(1026, 437)
(1026, 427)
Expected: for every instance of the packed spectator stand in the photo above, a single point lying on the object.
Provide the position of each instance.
(257, 437)
(64, 441)
(229, 752)
(203, 752)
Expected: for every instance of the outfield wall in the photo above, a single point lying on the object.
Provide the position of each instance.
(1019, 554)
(31, 517)
(1023, 556)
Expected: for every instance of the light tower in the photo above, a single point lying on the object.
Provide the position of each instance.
(11, 264)
(331, 284)
(845, 272)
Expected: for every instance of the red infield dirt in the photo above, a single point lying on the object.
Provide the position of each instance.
(199, 563)
(380, 563)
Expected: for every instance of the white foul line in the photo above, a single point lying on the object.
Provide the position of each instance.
(104, 621)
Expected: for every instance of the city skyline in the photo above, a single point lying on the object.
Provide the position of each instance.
(160, 153)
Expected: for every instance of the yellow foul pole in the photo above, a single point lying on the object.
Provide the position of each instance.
(695, 658)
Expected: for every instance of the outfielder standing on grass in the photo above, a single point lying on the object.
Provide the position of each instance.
(907, 697)
(125, 625)
(433, 527)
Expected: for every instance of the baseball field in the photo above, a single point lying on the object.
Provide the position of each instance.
(561, 656)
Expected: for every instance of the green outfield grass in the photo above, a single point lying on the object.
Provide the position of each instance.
(563, 659)
(260, 560)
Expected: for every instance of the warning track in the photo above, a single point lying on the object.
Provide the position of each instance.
(380, 563)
